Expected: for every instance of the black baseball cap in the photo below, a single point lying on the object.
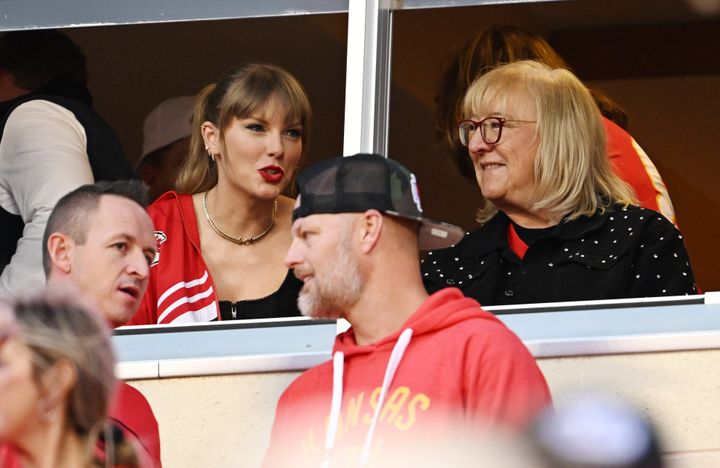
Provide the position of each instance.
(354, 184)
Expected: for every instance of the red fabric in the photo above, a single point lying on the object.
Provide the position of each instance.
(133, 414)
(180, 289)
(516, 244)
(635, 167)
(9, 457)
(463, 366)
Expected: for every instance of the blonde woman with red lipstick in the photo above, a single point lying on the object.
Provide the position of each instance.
(223, 235)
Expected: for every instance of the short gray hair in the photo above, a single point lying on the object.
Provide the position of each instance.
(73, 211)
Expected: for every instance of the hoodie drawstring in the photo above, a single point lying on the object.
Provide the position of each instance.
(395, 357)
(336, 403)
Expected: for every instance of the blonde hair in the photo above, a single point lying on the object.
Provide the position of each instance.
(573, 176)
(492, 46)
(60, 331)
(238, 95)
(56, 332)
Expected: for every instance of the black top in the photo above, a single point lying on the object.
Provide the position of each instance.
(281, 303)
(623, 253)
(532, 235)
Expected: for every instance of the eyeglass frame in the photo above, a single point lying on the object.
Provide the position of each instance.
(478, 125)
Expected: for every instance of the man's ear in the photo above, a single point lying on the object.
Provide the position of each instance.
(370, 227)
(60, 248)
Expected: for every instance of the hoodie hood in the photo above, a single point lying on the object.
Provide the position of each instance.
(441, 310)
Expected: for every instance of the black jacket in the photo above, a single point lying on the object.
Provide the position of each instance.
(106, 155)
(633, 252)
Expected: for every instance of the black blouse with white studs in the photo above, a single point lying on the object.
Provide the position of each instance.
(622, 253)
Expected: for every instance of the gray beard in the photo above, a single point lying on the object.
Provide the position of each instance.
(337, 290)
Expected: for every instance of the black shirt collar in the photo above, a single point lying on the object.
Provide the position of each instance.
(493, 235)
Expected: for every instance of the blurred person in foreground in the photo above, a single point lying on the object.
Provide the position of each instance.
(223, 234)
(51, 142)
(412, 367)
(502, 44)
(100, 239)
(166, 143)
(595, 430)
(56, 383)
(556, 223)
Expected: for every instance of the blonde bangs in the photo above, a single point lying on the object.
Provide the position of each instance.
(494, 91)
(247, 97)
(240, 94)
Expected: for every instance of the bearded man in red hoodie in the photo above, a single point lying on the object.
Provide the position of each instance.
(413, 369)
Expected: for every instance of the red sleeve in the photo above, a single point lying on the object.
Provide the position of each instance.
(8, 457)
(132, 412)
(634, 166)
(506, 386)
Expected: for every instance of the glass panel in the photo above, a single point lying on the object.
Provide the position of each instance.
(132, 68)
(30, 14)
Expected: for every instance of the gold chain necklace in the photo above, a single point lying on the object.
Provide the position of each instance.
(238, 240)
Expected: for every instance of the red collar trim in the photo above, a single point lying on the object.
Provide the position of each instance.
(516, 244)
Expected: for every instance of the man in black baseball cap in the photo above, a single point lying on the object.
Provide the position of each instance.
(367, 181)
(412, 368)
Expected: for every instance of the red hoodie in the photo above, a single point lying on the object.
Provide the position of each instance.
(131, 412)
(634, 166)
(451, 365)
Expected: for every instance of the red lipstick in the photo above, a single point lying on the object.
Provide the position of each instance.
(272, 174)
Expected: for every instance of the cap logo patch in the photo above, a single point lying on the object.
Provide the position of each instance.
(160, 238)
(415, 192)
(438, 233)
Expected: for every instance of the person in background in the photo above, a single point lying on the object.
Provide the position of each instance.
(501, 44)
(51, 142)
(223, 234)
(56, 382)
(100, 239)
(556, 223)
(412, 368)
(166, 142)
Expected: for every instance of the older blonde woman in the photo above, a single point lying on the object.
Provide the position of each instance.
(498, 44)
(557, 224)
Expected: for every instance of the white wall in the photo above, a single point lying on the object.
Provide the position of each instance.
(223, 421)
